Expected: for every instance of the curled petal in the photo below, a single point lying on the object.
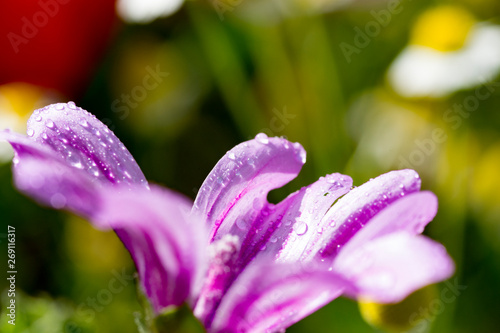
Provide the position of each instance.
(164, 242)
(236, 190)
(355, 209)
(84, 143)
(43, 175)
(271, 297)
(389, 268)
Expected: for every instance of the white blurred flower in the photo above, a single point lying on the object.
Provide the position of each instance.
(433, 65)
(145, 11)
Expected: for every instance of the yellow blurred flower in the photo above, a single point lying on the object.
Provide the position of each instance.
(444, 28)
(17, 102)
(448, 51)
(414, 312)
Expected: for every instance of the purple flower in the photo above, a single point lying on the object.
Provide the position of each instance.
(241, 263)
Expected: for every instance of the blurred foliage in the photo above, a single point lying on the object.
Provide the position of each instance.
(182, 90)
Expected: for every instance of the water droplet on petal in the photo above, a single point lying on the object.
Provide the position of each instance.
(49, 124)
(300, 228)
(58, 201)
(72, 105)
(300, 153)
(84, 123)
(333, 224)
(31, 132)
(75, 160)
(231, 156)
(44, 136)
(273, 239)
(257, 204)
(262, 138)
(38, 118)
(59, 106)
(242, 224)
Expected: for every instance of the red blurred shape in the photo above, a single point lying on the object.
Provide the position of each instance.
(54, 43)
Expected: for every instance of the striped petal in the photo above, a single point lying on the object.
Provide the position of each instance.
(271, 297)
(84, 143)
(164, 241)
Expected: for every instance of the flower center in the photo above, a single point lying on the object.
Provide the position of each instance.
(223, 255)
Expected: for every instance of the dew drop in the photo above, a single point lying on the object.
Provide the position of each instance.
(300, 228)
(333, 224)
(44, 136)
(59, 106)
(31, 132)
(58, 201)
(94, 170)
(49, 124)
(242, 224)
(38, 118)
(300, 153)
(75, 160)
(84, 123)
(231, 156)
(262, 138)
(330, 179)
(257, 204)
(72, 105)
(273, 239)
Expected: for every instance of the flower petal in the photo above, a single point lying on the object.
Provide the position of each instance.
(297, 221)
(269, 297)
(389, 268)
(410, 213)
(41, 174)
(166, 245)
(354, 210)
(85, 143)
(235, 191)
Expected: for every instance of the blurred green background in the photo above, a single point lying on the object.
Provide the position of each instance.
(365, 86)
